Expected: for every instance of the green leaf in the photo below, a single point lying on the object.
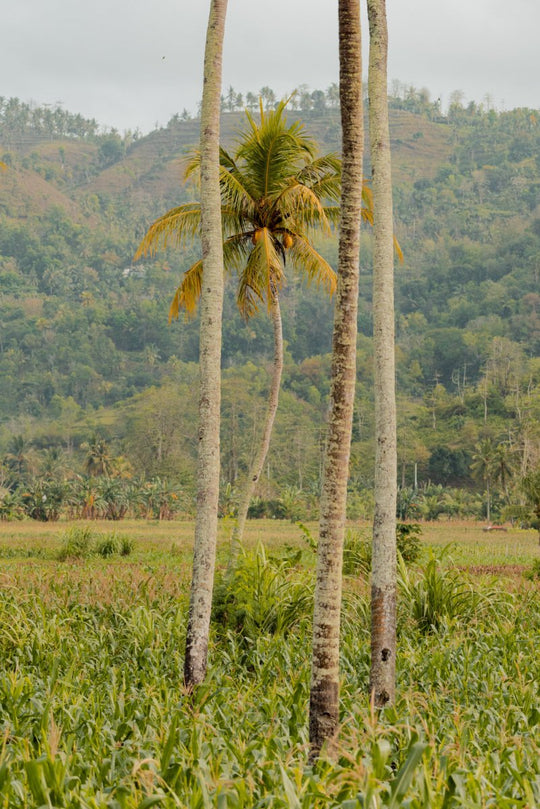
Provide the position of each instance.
(404, 777)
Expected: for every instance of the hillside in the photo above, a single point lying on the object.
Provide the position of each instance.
(84, 342)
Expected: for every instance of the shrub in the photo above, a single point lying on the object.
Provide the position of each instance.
(126, 545)
(408, 541)
(534, 572)
(78, 543)
(260, 597)
(439, 596)
(356, 553)
(357, 548)
(108, 545)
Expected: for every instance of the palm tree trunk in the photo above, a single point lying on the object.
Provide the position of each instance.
(258, 462)
(209, 357)
(324, 694)
(383, 573)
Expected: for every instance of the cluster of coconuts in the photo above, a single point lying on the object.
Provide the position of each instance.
(287, 239)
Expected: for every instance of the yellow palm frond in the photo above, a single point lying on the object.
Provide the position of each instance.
(177, 226)
(188, 293)
(308, 261)
(262, 274)
(367, 214)
(398, 250)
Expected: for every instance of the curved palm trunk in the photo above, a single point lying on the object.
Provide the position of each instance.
(324, 694)
(209, 357)
(258, 462)
(383, 574)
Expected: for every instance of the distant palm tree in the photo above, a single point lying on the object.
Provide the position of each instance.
(98, 460)
(483, 467)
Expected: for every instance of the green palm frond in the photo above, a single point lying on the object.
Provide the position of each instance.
(272, 151)
(323, 176)
(309, 262)
(332, 213)
(177, 226)
(236, 193)
(303, 207)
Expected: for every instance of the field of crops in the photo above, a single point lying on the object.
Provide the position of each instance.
(93, 713)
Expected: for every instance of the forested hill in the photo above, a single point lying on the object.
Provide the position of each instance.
(84, 340)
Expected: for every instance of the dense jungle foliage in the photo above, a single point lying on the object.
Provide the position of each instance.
(90, 367)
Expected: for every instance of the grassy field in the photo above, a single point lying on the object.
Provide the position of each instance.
(93, 713)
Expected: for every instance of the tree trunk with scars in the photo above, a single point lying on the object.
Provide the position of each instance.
(211, 307)
(324, 695)
(383, 574)
(256, 468)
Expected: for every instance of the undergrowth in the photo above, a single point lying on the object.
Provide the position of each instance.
(93, 713)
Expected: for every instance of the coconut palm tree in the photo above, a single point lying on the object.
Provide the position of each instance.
(208, 458)
(98, 461)
(324, 691)
(384, 562)
(483, 467)
(275, 194)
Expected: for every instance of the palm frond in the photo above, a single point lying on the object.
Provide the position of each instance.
(262, 275)
(368, 215)
(323, 177)
(303, 207)
(236, 193)
(177, 226)
(193, 165)
(309, 262)
(188, 293)
(272, 150)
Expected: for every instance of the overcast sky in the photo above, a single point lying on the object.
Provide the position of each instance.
(134, 64)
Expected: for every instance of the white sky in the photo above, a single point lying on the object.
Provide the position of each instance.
(134, 64)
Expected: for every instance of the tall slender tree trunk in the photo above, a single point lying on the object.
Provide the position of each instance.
(257, 465)
(211, 306)
(383, 574)
(324, 695)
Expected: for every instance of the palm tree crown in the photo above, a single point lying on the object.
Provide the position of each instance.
(275, 194)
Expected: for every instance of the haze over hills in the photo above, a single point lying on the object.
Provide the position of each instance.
(84, 341)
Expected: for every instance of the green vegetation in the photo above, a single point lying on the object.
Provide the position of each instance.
(85, 352)
(93, 712)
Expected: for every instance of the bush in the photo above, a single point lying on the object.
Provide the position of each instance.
(126, 546)
(356, 553)
(439, 596)
(408, 540)
(78, 543)
(534, 572)
(108, 545)
(357, 548)
(260, 597)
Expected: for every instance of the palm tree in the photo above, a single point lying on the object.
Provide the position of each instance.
(483, 467)
(98, 460)
(384, 562)
(208, 462)
(324, 691)
(530, 486)
(274, 195)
